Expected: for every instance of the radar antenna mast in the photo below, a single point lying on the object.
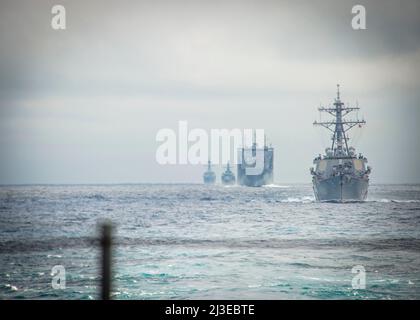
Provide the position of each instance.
(340, 126)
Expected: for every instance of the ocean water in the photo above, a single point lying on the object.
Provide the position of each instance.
(209, 242)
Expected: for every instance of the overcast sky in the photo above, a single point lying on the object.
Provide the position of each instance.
(83, 105)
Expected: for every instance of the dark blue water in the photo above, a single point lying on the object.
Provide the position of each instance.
(194, 241)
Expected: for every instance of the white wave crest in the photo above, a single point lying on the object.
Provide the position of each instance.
(298, 200)
(394, 200)
(274, 186)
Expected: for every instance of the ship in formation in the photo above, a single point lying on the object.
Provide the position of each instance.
(255, 167)
(209, 177)
(340, 174)
(228, 177)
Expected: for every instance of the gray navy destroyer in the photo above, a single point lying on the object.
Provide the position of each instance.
(255, 167)
(340, 175)
(209, 177)
(228, 178)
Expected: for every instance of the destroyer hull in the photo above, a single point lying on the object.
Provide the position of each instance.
(228, 183)
(341, 189)
(209, 180)
(228, 180)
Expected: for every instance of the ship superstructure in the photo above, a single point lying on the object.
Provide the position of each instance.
(340, 174)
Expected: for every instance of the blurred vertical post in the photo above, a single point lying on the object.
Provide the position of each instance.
(106, 243)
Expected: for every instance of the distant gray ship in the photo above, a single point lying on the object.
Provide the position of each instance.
(228, 177)
(255, 167)
(209, 176)
(340, 175)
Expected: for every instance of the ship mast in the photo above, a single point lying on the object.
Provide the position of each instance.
(340, 126)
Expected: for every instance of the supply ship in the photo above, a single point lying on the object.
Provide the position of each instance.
(255, 167)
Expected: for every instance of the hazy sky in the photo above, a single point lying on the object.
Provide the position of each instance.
(83, 105)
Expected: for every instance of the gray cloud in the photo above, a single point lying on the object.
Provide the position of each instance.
(96, 93)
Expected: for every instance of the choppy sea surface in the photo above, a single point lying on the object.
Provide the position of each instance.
(210, 242)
